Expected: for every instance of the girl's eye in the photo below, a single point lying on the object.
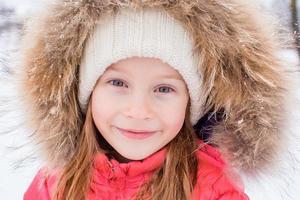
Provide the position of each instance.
(117, 83)
(165, 89)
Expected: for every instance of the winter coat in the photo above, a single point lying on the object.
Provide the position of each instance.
(243, 79)
(112, 180)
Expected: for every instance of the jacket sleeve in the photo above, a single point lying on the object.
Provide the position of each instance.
(230, 187)
(234, 195)
(216, 179)
(39, 188)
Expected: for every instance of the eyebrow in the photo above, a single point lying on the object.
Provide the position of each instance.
(163, 76)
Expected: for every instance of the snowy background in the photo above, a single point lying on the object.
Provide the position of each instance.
(14, 179)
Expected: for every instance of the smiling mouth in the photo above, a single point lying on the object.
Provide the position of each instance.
(140, 134)
(137, 131)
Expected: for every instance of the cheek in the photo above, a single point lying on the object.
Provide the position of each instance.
(175, 121)
(174, 115)
(101, 108)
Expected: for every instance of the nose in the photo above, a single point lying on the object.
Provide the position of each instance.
(138, 107)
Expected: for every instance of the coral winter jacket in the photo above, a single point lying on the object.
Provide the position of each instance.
(112, 180)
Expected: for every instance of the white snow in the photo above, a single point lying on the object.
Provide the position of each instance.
(14, 179)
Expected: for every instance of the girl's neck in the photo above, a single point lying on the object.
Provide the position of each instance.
(115, 155)
(111, 153)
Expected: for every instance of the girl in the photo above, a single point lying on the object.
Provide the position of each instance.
(149, 99)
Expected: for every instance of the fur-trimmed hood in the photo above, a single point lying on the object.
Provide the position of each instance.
(243, 79)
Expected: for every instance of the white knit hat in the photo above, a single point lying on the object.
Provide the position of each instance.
(146, 33)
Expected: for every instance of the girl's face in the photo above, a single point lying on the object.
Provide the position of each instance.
(139, 105)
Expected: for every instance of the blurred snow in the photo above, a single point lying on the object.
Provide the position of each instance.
(14, 178)
(14, 182)
(22, 8)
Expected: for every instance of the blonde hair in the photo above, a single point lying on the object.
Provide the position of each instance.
(179, 168)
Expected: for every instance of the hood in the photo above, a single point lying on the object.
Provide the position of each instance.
(242, 77)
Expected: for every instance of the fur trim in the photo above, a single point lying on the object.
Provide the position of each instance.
(242, 76)
(281, 180)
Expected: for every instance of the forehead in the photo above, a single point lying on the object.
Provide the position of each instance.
(146, 66)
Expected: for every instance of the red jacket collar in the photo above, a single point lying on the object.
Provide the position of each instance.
(107, 167)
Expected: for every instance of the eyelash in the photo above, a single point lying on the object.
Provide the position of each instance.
(171, 89)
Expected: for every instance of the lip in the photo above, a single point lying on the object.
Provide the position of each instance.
(136, 134)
